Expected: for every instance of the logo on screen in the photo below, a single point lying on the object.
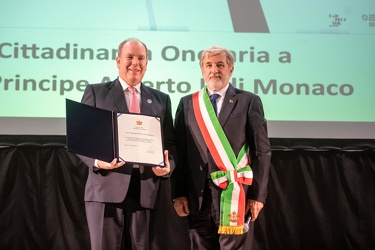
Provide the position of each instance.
(337, 20)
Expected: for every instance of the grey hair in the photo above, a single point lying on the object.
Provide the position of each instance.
(216, 50)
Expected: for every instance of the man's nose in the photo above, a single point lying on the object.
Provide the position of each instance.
(135, 61)
(215, 69)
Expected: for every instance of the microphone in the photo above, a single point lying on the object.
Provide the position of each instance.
(246, 225)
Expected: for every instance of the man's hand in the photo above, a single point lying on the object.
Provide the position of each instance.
(158, 171)
(110, 165)
(181, 205)
(254, 207)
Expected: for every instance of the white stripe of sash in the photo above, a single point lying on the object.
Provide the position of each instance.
(215, 138)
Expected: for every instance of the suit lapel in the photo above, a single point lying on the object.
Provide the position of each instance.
(228, 104)
(117, 94)
(148, 106)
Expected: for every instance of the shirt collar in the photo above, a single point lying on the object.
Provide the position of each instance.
(221, 92)
(125, 85)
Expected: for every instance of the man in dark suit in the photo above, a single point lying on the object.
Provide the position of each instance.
(220, 132)
(121, 205)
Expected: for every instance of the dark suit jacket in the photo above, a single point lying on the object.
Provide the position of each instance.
(113, 187)
(242, 120)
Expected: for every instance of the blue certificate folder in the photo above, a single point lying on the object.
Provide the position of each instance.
(94, 132)
(91, 131)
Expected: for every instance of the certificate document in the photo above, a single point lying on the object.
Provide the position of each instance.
(140, 139)
(104, 135)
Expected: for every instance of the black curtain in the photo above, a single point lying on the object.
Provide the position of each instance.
(41, 199)
(319, 198)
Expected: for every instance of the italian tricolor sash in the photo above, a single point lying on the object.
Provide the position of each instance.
(234, 171)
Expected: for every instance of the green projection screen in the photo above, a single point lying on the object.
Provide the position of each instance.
(312, 62)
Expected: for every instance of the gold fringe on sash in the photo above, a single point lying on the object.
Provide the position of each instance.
(231, 230)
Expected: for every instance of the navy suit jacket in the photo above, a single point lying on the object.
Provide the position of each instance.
(113, 187)
(242, 120)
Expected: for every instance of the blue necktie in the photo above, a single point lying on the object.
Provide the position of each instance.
(213, 98)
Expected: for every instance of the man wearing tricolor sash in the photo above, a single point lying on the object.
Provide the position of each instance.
(220, 180)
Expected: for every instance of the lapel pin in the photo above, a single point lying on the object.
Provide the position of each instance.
(230, 101)
(149, 101)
